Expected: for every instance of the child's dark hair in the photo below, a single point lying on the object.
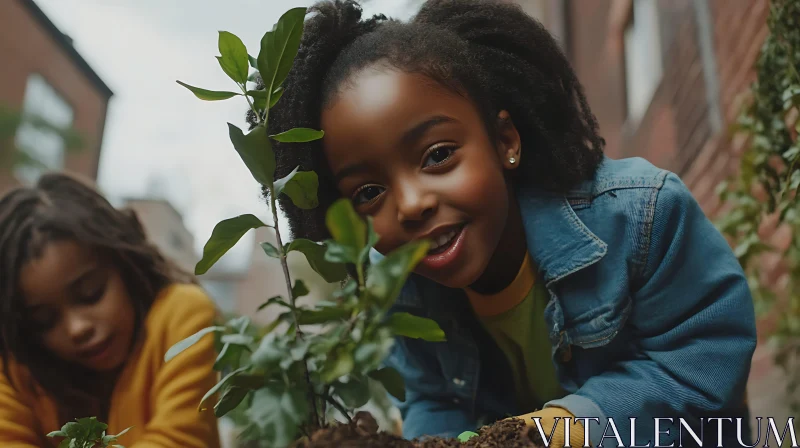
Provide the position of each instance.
(61, 207)
(488, 50)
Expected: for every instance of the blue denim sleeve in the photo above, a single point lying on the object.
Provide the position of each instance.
(425, 411)
(693, 323)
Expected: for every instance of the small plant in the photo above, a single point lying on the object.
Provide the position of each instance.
(86, 433)
(288, 380)
(466, 435)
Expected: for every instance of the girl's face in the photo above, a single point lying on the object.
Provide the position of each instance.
(417, 158)
(79, 306)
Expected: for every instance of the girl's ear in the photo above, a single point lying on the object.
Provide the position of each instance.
(509, 145)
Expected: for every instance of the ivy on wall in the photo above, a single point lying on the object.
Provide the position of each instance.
(766, 186)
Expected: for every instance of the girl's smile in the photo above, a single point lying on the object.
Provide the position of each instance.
(417, 157)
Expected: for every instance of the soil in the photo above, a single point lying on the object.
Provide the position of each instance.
(363, 433)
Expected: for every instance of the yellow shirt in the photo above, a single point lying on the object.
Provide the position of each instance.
(159, 400)
(514, 317)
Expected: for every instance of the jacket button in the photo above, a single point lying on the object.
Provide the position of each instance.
(459, 382)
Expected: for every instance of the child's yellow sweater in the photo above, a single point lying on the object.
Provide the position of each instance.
(160, 400)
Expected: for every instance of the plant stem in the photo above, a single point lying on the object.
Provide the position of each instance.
(298, 333)
(258, 116)
(338, 407)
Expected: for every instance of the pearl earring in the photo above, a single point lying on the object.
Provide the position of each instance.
(512, 160)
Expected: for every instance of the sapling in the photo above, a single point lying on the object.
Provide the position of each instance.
(286, 380)
(87, 433)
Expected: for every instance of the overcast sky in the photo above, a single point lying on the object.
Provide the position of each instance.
(157, 132)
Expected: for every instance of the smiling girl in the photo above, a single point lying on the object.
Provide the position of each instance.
(88, 308)
(568, 284)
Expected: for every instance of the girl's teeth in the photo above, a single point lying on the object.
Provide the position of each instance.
(443, 239)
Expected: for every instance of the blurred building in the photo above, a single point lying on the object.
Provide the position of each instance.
(237, 288)
(165, 228)
(43, 75)
(665, 80)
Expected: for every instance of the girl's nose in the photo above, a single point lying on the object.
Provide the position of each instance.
(415, 204)
(79, 328)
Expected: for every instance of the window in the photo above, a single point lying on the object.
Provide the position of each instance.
(643, 67)
(43, 148)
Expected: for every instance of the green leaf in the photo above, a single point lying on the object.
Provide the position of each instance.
(410, 326)
(276, 95)
(225, 235)
(270, 351)
(279, 48)
(277, 300)
(349, 289)
(234, 59)
(124, 431)
(372, 240)
(58, 433)
(270, 250)
(301, 187)
(392, 381)
(792, 152)
(298, 135)
(346, 227)
(354, 393)
(386, 278)
(299, 349)
(253, 62)
(255, 150)
(278, 411)
(237, 339)
(239, 324)
(219, 385)
(260, 96)
(336, 366)
(229, 400)
(299, 289)
(339, 253)
(178, 348)
(229, 356)
(466, 435)
(321, 315)
(315, 254)
(209, 95)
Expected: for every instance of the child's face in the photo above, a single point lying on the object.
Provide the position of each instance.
(417, 158)
(79, 306)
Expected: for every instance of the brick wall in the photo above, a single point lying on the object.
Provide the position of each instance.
(677, 132)
(29, 44)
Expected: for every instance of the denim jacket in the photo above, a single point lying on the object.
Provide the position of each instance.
(650, 316)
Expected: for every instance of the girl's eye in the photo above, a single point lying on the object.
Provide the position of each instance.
(94, 297)
(438, 156)
(367, 194)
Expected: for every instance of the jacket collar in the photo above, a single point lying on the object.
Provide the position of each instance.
(558, 241)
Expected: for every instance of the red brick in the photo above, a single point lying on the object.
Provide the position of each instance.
(30, 46)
